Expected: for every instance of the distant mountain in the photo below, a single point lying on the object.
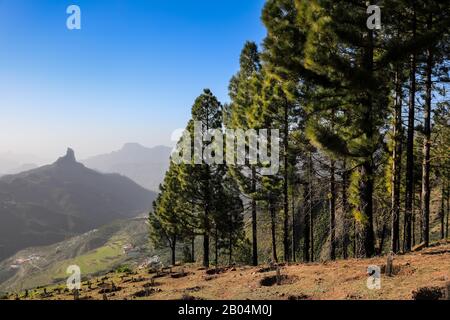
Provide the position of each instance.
(57, 201)
(11, 163)
(22, 168)
(145, 166)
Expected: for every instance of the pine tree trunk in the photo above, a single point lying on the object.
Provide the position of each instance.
(173, 248)
(420, 218)
(254, 222)
(216, 246)
(409, 196)
(345, 212)
(193, 248)
(413, 220)
(230, 253)
(396, 167)
(383, 237)
(332, 203)
(206, 223)
(448, 210)
(206, 240)
(311, 232)
(230, 247)
(366, 182)
(273, 230)
(427, 146)
(355, 239)
(366, 207)
(306, 213)
(442, 213)
(310, 208)
(285, 185)
(294, 233)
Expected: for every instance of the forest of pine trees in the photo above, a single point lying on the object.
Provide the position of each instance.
(364, 123)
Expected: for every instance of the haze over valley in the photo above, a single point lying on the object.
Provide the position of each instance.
(44, 205)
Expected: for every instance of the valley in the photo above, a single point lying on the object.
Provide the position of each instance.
(122, 242)
(58, 201)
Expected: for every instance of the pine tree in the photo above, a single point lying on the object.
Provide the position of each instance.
(242, 96)
(355, 88)
(440, 154)
(167, 222)
(345, 210)
(283, 45)
(228, 217)
(267, 114)
(437, 26)
(393, 30)
(199, 179)
(396, 165)
(278, 108)
(410, 137)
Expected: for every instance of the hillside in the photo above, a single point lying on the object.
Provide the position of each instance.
(97, 251)
(145, 166)
(428, 269)
(57, 201)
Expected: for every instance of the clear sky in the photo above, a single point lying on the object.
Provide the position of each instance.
(130, 74)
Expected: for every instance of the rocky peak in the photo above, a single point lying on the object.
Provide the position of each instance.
(68, 158)
(131, 146)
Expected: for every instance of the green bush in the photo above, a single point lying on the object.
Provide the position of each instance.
(123, 269)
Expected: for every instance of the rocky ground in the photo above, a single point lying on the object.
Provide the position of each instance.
(423, 274)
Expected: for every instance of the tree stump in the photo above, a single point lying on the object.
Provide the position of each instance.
(76, 294)
(278, 276)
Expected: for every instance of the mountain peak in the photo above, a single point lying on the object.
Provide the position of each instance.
(69, 157)
(70, 154)
(132, 146)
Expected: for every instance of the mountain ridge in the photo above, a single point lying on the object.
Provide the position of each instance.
(145, 166)
(63, 199)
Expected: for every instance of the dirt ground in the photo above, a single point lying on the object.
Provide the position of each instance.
(316, 281)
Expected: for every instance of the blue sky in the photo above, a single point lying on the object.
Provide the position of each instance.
(130, 74)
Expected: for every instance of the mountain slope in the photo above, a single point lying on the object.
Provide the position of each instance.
(22, 168)
(95, 252)
(145, 166)
(51, 203)
(418, 275)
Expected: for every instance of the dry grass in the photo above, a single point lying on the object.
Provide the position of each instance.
(331, 280)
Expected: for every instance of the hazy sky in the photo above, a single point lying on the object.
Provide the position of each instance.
(130, 74)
